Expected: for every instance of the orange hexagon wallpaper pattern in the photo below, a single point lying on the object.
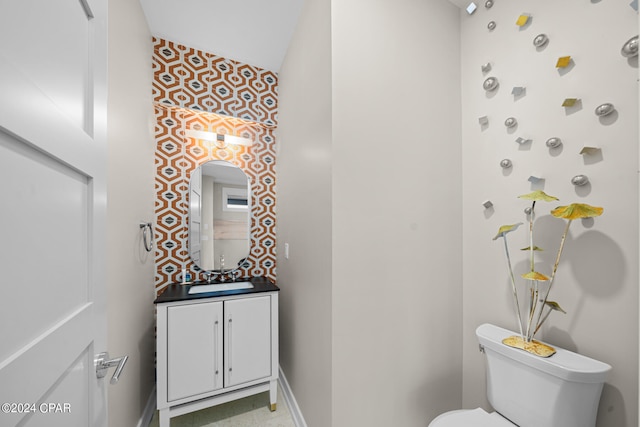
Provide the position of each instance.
(195, 90)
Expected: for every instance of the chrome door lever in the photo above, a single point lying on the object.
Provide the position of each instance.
(103, 364)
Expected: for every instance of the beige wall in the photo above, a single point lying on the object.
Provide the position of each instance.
(304, 213)
(130, 200)
(396, 212)
(369, 185)
(597, 281)
(372, 296)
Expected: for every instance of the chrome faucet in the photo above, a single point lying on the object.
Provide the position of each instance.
(210, 276)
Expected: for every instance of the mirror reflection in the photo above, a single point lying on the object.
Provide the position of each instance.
(219, 216)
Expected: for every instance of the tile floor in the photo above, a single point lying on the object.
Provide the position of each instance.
(252, 411)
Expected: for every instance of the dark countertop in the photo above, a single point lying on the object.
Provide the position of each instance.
(178, 292)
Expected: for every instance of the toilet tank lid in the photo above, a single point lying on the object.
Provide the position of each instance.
(563, 364)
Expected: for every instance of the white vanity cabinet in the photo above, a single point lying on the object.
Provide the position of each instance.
(194, 349)
(214, 350)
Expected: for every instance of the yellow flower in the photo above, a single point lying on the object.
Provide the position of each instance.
(555, 306)
(535, 248)
(537, 196)
(576, 211)
(534, 275)
(506, 229)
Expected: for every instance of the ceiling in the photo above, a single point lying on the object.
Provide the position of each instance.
(255, 32)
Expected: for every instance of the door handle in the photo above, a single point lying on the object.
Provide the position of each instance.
(230, 337)
(103, 363)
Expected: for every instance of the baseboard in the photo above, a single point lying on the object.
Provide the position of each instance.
(296, 414)
(149, 410)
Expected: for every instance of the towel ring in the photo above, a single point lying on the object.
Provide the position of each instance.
(147, 235)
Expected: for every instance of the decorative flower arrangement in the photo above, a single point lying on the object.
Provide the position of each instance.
(538, 305)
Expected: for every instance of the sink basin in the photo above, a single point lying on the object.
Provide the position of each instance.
(219, 287)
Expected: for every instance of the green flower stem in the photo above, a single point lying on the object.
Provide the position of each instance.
(531, 217)
(532, 309)
(555, 268)
(513, 286)
(542, 321)
(533, 297)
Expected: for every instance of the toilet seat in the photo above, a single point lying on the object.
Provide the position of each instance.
(470, 418)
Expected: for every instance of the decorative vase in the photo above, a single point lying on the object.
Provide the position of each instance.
(533, 347)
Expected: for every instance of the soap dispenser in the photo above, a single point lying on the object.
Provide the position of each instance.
(186, 276)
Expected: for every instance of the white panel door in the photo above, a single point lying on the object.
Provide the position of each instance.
(52, 211)
(248, 340)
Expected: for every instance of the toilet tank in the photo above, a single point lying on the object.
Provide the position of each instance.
(562, 390)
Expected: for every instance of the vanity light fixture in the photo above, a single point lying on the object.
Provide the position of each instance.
(220, 140)
(488, 4)
(510, 122)
(484, 120)
(486, 67)
(491, 25)
(487, 204)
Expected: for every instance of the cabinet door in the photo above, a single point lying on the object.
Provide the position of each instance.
(194, 349)
(248, 340)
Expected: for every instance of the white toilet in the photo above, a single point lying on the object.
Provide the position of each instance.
(530, 391)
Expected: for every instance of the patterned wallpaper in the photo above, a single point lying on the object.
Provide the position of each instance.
(185, 77)
(201, 91)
